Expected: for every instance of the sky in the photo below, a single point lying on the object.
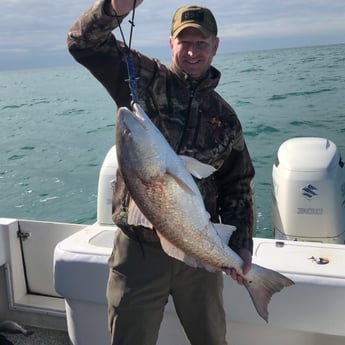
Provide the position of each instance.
(33, 32)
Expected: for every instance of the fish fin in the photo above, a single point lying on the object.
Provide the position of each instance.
(196, 168)
(136, 217)
(180, 255)
(182, 184)
(266, 283)
(224, 231)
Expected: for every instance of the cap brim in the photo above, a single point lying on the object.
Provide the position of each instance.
(202, 29)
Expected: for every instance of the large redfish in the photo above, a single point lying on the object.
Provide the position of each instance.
(162, 187)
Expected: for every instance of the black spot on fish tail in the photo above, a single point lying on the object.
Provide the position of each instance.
(261, 290)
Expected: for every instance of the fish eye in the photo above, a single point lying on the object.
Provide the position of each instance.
(126, 131)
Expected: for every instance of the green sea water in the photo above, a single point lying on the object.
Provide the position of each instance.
(57, 125)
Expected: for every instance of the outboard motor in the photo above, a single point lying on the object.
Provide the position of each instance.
(308, 196)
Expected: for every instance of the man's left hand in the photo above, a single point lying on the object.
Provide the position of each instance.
(246, 256)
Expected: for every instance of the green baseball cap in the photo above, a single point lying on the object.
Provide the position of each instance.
(196, 17)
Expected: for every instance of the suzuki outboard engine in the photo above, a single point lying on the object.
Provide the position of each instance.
(308, 196)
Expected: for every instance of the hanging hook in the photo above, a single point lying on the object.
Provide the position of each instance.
(132, 79)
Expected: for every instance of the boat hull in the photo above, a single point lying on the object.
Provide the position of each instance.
(311, 309)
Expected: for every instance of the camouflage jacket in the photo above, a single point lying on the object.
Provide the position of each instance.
(195, 120)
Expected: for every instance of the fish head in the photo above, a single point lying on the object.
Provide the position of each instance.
(138, 145)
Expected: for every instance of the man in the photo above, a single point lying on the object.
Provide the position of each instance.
(196, 121)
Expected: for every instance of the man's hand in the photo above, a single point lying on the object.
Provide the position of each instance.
(122, 7)
(247, 265)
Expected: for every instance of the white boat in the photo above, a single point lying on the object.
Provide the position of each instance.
(53, 275)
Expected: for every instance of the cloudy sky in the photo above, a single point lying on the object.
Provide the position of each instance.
(33, 32)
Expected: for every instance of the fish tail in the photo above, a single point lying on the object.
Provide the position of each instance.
(264, 286)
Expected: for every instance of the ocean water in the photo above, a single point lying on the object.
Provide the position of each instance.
(57, 125)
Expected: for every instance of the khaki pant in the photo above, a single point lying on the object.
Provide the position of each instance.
(140, 282)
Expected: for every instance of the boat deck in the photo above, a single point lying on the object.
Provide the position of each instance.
(40, 337)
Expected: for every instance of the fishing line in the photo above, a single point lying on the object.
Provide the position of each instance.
(131, 21)
(132, 24)
(132, 79)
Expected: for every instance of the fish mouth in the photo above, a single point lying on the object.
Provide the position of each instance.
(128, 117)
(137, 113)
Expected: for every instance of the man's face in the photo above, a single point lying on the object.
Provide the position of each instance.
(192, 52)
